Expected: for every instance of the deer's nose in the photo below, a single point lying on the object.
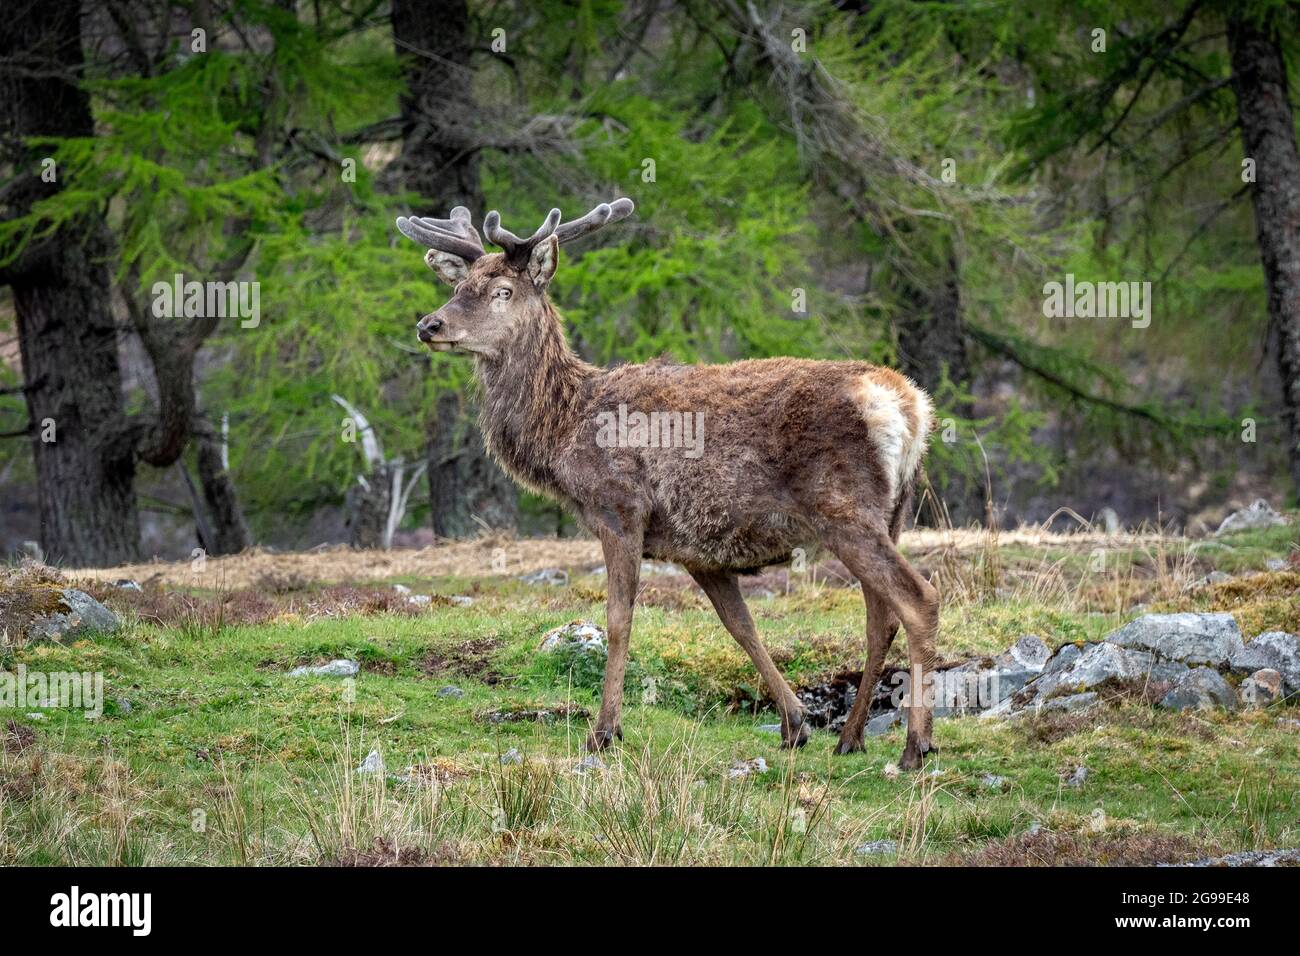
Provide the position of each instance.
(428, 327)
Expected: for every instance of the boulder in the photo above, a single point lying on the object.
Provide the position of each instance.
(337, 668)
(553, 576)
(1257, 515)
(1260, 689)
(1065, 655)
(882, 723)
(1202, 688)
(1152, 668)
(1275, 650)
(1095, 664)
(1188, 637)
(1030, 652)
(580, 635)
(45, 613)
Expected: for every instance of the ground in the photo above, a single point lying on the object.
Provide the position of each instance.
(209, 753)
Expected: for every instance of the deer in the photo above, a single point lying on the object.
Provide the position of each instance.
(796, 453)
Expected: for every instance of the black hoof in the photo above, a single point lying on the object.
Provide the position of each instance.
(850, 746)
(795, 735)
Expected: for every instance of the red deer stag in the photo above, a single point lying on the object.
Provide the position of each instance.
(786, 453)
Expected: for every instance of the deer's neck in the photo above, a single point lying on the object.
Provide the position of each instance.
(533, 402)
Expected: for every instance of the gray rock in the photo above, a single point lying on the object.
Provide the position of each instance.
(769, 728)
(1260, 689)
(1211, 579)
(1064, 657)
(745, 768)
(877, 848)
(451, 690)
(123, 705)
(1070, 703)
(1096, 664)
(1078, 778)
(84, 616)
(1152, 668)
(126, 584)
(579, 634)
(462, 600)
(1108, 518)
(373, 763)
(1258, 515)
(1276, 650)
(1192, 638)
(971, 687)
(1275, 564)
(881, 724)
(588, 763)
(991, 781)
(1031, 653)
(337, 668)
(555, 576)
(1200, 689)
(1289, 857)
(512, 756)
(984, 683)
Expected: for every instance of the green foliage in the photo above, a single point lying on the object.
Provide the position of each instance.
(997, 134)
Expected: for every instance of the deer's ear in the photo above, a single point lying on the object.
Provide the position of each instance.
(543, 260)
(451, 269)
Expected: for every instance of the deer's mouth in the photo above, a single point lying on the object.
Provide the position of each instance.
(435, 343)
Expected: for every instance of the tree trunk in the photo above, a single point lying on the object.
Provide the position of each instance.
(439, 161)
(367, 506)
(932, 344)
(225, 518)
(1268, 136)
(467, 490)
(81, 438)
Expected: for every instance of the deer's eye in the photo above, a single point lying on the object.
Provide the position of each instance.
(502, 293)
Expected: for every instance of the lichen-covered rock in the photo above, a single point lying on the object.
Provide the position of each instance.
(1202, 688)
(1065, 655)
(1258, 515)
(1260, 689)
(336, 668)
(1188, 637)
(580, 635)
(1275, 650)
(1095, 664)
(36, 608)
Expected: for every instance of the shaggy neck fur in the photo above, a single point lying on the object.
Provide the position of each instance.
(533, 400)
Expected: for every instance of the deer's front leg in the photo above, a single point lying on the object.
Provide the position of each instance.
(623, 564)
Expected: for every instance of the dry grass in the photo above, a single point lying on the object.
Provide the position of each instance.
(490, 554)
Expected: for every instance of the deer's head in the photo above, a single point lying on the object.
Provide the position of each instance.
(496, 293)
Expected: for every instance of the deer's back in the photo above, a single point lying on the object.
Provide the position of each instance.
(735, 465)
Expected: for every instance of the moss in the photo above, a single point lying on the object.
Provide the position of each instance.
(1268, 601)
(20, 604)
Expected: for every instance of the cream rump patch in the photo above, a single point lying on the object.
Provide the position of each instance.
(899, 416)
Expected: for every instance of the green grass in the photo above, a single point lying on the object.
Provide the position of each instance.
(222, 758)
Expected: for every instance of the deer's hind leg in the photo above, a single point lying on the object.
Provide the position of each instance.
(724, 593)
(873, 559)
(882, 627)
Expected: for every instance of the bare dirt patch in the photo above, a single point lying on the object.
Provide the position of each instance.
(472, 659)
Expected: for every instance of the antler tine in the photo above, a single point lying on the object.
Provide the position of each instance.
(517, 248)
(455, 235)
(602, 215)
(500, 236)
